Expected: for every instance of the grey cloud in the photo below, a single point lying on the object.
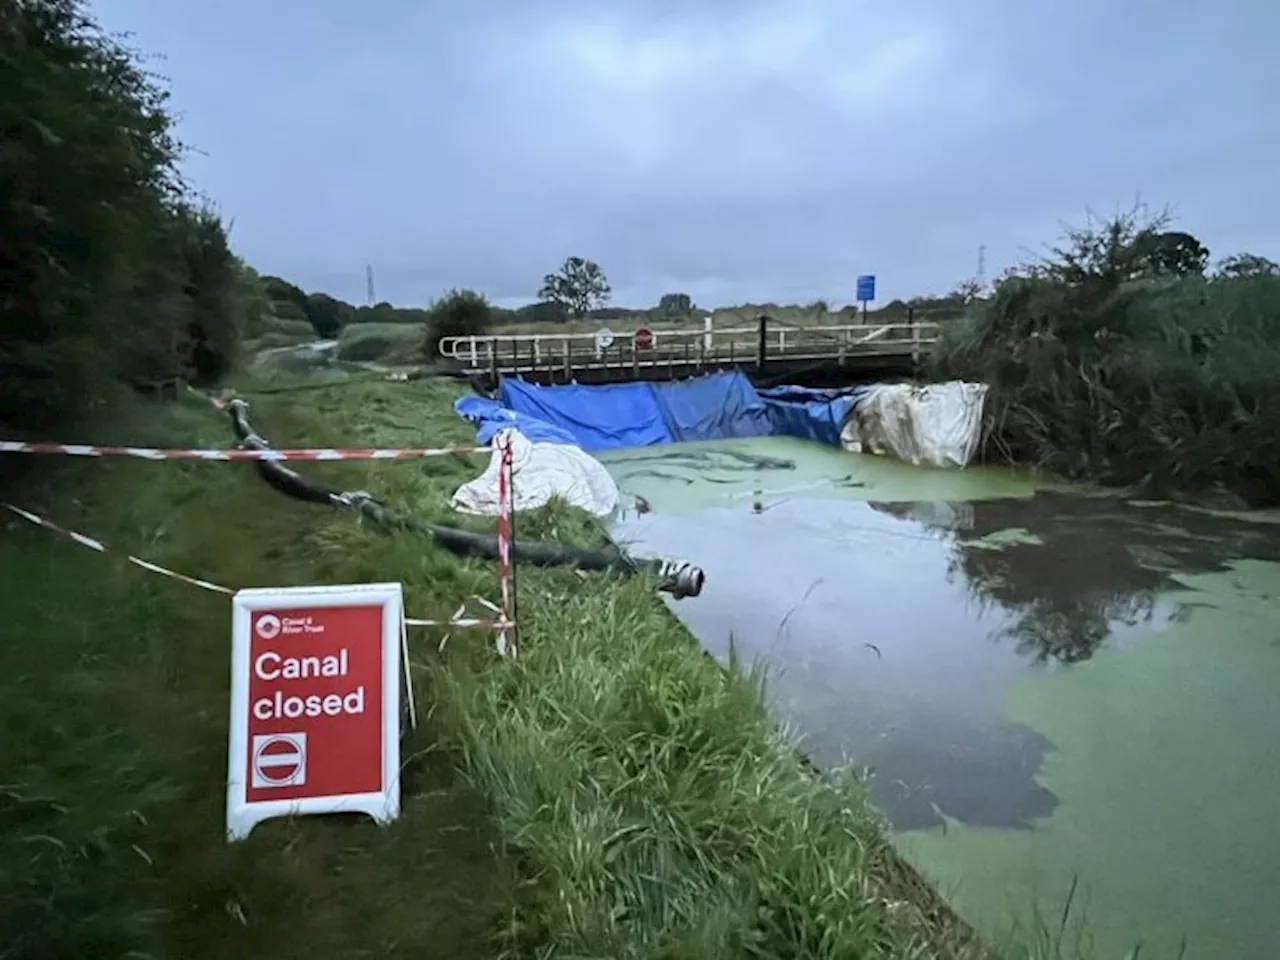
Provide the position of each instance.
(768, 150)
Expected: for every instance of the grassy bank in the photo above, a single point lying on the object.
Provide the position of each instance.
(389, 343)
(113, 704)
(614, 794)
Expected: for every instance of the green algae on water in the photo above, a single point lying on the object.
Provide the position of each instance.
(1164, 766)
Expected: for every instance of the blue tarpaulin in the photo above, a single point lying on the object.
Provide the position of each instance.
(642, 414)
(810, 414)
(598, 418)
(715, 407)
(490, 416)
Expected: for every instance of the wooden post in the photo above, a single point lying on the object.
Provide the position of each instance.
(635, 360)
(493, 361)
(568, 364)
(762, 342)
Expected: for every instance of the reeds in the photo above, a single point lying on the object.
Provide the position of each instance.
(1103, 369)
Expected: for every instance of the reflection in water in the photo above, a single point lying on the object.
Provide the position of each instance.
(877, 658)
(934, 627)
(1090, 564)
(939, 769)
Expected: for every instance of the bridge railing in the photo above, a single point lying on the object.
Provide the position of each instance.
(686, 347)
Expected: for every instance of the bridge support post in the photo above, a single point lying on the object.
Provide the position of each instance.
(915, 337)
(762, 342)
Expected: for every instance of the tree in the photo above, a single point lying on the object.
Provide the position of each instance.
(579, 287)
(1246, 265)
(215, 306)
(327, 315)
(282, 291)
(674, 306)
(1173, 252)
(459, 313)
(108, 268)
(965, 292)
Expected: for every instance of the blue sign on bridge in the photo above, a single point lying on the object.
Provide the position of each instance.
(866, 287)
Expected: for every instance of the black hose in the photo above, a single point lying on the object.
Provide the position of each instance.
(676, 578)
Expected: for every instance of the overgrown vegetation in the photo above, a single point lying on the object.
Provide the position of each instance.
(108, 266)
(387, 343)
(114, 711)
(623, 796)
(1116, 358)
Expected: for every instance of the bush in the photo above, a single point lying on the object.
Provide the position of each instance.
(290, 312)
(459, 313)
(1106, 364)
(327, 315)
(299, 331)
(106, 269)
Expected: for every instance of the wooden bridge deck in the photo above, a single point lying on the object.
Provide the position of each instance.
(765, 351)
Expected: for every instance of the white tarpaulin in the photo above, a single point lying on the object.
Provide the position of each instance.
(540, 471)
(938, 425)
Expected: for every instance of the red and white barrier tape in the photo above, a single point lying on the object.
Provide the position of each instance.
(95, 544)
(505, 504)
(500, 622)
(309, 453)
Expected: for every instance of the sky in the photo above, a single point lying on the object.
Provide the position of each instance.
(747, 151)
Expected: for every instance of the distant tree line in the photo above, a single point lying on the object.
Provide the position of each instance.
(578, 291)
(109, 267)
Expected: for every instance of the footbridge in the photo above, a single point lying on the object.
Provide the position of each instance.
(767, 352)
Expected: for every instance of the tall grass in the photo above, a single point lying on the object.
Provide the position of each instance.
(657, 808)
(614, 793)
(645, 797)
(1099, 370)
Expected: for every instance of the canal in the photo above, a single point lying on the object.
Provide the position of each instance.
(1059, 696)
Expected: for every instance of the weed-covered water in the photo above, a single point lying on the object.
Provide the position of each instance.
(1062, 697)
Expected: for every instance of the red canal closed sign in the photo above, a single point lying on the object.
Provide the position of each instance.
(315, 703)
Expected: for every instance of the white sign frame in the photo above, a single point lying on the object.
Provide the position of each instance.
(382, 806)
(604, 340)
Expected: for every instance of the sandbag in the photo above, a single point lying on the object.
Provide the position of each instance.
(938, 425)
(540, 471)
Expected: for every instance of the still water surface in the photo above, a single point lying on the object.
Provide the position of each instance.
(1048, 686)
